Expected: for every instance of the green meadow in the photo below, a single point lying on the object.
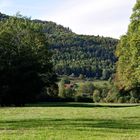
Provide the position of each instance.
(70, 121)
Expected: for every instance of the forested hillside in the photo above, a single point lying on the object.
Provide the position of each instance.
(92, 56)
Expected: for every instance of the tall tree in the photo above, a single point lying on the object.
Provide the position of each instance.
(25, 67)
(128, 53)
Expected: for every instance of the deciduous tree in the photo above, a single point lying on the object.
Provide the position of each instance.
(128, 53)
(25, 67)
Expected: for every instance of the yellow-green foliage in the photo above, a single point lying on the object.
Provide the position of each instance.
(128, 53)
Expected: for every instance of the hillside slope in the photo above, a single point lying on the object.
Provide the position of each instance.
(73, 54)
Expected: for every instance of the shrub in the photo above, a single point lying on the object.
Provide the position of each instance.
(96, 96)
(113, 95)
(86, 88)
(121, 100)
(134, 100)
(61, 88)
(69, 93)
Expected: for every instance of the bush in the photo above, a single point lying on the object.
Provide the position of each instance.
(86, 89)
(96, 96)
(134, 100)
(61, 89)
(69, 93)
(121, 100)
(113, 95)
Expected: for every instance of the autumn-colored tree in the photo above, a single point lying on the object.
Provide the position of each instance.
(128, 53)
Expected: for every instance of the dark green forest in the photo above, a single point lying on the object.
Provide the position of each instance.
(73, 55)
(91, 56)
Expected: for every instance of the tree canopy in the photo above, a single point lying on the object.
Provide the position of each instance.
(128, 53)
(25, 67)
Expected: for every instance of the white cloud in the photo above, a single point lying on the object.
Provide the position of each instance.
(5, 3)
(103, 17)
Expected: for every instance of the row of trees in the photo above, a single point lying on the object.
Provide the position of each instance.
(97, 92)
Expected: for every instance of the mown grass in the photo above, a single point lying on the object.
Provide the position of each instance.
(70, 121)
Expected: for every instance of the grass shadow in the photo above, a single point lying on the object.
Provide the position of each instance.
(68, 124)
(74, 104)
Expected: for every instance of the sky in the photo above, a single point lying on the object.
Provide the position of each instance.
(108, 18)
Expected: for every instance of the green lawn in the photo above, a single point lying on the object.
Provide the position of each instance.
(70, 121)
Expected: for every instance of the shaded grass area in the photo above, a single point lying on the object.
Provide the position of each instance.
(71, 121)
(85, 105)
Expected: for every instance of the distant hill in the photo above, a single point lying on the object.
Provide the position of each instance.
(73, 54)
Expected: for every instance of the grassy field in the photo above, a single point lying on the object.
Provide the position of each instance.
(97, 83)
(70, 121)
